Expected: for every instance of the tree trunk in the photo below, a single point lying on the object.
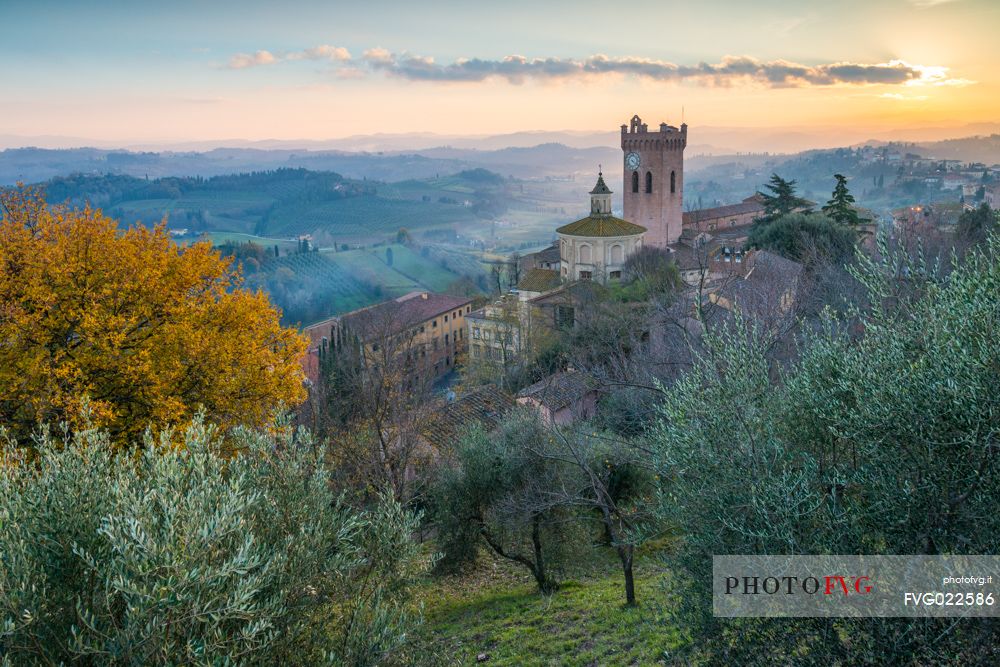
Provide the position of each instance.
(625, 553)
(544, 584)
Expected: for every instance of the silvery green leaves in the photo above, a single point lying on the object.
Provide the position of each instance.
(183, 555)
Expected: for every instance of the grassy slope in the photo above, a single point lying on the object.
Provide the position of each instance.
(496, 611)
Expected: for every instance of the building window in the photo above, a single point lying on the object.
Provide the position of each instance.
(434, 324)
(565, 317)
(468, 309)
(445, 318)
(649, 181)
(635, 181)
(617, 254)
(673, 182)
(476, 350)
(486, 334)
(616, 275)
(585, 254)
(586, 275)
(475, 333)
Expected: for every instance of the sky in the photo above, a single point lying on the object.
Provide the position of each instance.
(124, 71)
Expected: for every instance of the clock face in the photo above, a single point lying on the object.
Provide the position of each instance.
(632, 161)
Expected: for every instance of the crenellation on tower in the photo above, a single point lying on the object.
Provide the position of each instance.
(653, 178)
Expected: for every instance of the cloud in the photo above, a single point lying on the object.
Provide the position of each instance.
(260, 58)
(244, 60)
(517, 69)
(731, 69)
(903, 98)
(931, 3)
(321, 52)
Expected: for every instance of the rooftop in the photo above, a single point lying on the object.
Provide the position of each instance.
(483, 406)
(601, 188)
(748, 205)
(560, 390)
(539, 280)
(600, 225)
(400, 314)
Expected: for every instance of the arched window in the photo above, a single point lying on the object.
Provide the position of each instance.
(673, 182)
(617, 254)
(585, 254)
(635, 181)
(649, 181)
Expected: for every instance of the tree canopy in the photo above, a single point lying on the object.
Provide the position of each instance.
(840, 208)
(804, 237)
(782, 199)
(129, 328)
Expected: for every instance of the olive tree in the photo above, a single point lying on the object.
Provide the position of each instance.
(885, 442)
(183, 555)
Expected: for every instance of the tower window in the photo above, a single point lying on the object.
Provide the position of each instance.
(635, 181)
(649, 181)
(673, 182)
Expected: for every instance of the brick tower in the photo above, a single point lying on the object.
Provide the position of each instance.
(653, 183)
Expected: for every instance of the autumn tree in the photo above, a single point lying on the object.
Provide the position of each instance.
(125, 329)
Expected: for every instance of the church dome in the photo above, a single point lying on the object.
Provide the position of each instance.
(601, 225)
(600, 222)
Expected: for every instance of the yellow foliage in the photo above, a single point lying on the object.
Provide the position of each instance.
(144, 331)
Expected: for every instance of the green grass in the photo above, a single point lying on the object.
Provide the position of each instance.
(364, 218)
(218, 238)
(497, 611)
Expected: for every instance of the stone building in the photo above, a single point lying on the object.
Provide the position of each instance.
(654, 179)
(562, 398)
(596, 247)
(725, 217)
(429, 328)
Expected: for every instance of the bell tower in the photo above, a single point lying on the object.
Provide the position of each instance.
(653, 179)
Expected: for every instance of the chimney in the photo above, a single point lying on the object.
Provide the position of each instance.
(423, 295)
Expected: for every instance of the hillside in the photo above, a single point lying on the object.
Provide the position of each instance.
(309, 286)
(289, 202)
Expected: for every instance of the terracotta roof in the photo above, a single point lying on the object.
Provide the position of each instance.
(767, 267)
(601, 225)
(484, 406)
(550, 254)
(539, 280)
(744, 207)
(560, 390)
(688, 258)
(400, 314)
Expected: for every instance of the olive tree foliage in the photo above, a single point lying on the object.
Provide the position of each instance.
(497, 491)
(179, 555)
(883, 443)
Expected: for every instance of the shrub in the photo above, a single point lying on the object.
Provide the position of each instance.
(882, 444)
(179, 555)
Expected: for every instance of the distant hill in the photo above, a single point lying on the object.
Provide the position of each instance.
(289, 202)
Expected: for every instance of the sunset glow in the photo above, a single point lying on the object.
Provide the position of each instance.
(254, 71)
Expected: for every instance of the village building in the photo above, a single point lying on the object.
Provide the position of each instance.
(427, 327)
(724, 217)
(562, 398)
